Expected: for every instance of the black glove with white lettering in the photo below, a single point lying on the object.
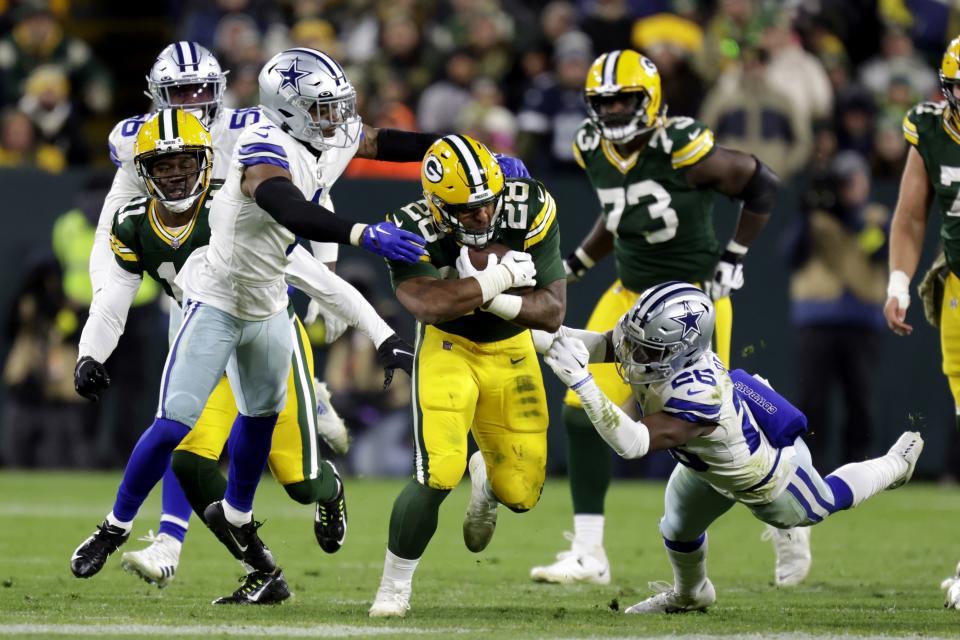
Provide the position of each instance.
(90, 378)
(395, 353)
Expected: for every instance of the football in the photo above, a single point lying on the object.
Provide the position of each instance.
(478, 258)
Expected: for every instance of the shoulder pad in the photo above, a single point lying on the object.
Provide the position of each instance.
(264, 144)
(694, 394)
(587, 138)
(686, 140)
(123, 137)
(922, 117)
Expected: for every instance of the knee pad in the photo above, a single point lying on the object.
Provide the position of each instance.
(517, 491)
(183, 407)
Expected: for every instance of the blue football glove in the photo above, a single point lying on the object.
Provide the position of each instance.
(385, 239)
(511, 167)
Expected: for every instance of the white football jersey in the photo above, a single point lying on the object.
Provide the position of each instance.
(735, 458)
(127, 185)
(241, 271)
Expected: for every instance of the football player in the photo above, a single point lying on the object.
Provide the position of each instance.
(475, 368)
(719, 426)
(655, 178)
(932, 172)
(155, 235)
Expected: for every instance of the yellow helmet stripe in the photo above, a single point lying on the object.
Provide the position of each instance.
(610, 68)
(470, 161)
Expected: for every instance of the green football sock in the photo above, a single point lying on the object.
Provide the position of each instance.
(414, 519)
(323, 487)
(200, 478)
(588, 462)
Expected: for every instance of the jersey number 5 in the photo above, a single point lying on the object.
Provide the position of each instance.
(615, 200)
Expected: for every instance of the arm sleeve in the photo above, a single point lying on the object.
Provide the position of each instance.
(336, 295)
(108, 313)
(124, 188)
(628, 438)
(394, 145)
(280, 198)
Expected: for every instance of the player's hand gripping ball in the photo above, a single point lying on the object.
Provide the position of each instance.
(480, 259)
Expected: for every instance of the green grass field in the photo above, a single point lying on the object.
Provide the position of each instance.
(876, 571)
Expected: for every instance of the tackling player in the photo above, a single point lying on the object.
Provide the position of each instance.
(475, 368)
(655, 178)
(932, 171)
(718, 426)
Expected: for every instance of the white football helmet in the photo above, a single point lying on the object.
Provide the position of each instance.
(306, 93)
(187, 76)
(670, 326)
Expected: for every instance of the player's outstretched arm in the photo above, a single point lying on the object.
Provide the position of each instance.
(595, 247)
(906, 239)
(394, 145)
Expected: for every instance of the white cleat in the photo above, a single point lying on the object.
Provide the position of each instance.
(952, 586)
(579, 564)
(330, 426)
(157, 564)
(392, 600)
(481, 519)
(908, 446)
(792, 547)
(667, 600)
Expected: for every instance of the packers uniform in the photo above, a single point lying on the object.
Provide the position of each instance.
(141, 243)
(930, 128)
(479, 373)
(662, 227)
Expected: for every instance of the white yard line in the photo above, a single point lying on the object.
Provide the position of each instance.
(236, 631)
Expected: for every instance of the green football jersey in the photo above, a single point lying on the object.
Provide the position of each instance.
(143, 244)
(528, 222)
(662, 227)
(938, 143)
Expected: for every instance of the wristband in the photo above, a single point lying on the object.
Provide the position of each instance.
(583, 382)
(493, 281)
(735, 247)
(356, 233)
(898, 285)
(505, 305)
(579, 262)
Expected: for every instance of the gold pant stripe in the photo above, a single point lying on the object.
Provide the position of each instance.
(618, 300)
(306, 405)
(420, 450)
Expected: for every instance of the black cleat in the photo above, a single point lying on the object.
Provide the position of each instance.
(90, 556)
(259, 588)
(330, 522)
(243, 542)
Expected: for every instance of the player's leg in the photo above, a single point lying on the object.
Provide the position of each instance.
(295, 458)
(444, 399)
(690, 506)
(510, 427)
(258, 378)
(589, 461)
(195, 363)
(950, 347)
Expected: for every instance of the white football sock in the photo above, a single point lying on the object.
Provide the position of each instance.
(112, 520)
(234, 516)
(398, 569)
(588, 529)
(689, 569)
(488, 492)
(868, 478)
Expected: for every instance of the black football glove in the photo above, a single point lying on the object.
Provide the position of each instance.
(395, 353)
(90, 378)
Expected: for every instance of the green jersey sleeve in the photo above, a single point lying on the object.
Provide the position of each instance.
(688, 141)
(542, 240)
(124, 236)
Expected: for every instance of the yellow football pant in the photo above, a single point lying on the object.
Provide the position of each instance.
(494, 390)
(616, 301)
(294, 454)
(950, 335)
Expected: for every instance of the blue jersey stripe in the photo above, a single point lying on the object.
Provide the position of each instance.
(277, 162)
(750, 433)
(114, 157)
(685, 546)
(691, 417)
(803, 475)
(688, 405)
(263, 146)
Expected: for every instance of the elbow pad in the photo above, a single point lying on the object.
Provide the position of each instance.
(394, 145)
(761, 190)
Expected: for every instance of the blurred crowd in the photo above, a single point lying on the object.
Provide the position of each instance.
(816, 89)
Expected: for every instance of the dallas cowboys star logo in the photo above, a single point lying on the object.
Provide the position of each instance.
(690, 321)
(291, 76)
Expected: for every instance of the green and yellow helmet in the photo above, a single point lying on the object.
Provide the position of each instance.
(950, 75)
(171, 132)
(624, 73)
(458, 173)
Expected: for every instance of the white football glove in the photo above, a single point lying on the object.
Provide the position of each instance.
(334, 327)
(521, 268)
(727, 277)
(543, 339)
(952, 587)
(466, 269)
(330, 426)
(568, 357)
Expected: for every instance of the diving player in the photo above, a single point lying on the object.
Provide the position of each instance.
(155, 235)
(718, 425)
(475, 368)
(932, 171)
(655, 178)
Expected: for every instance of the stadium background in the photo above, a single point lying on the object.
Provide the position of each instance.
(521, 98)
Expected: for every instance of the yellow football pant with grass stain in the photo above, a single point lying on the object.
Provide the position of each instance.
(616, 301)
(492, 389)
(950, 335)
(294, 454)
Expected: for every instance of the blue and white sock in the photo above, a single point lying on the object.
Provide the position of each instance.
(175, 517)
(148, 462)
(249, 450)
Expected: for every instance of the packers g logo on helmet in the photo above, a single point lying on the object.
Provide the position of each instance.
(950, 75)
(459, 174)
(171, 132)
(624, 76)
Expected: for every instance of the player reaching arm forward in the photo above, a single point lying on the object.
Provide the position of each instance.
(716, 425)
(475, 368)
